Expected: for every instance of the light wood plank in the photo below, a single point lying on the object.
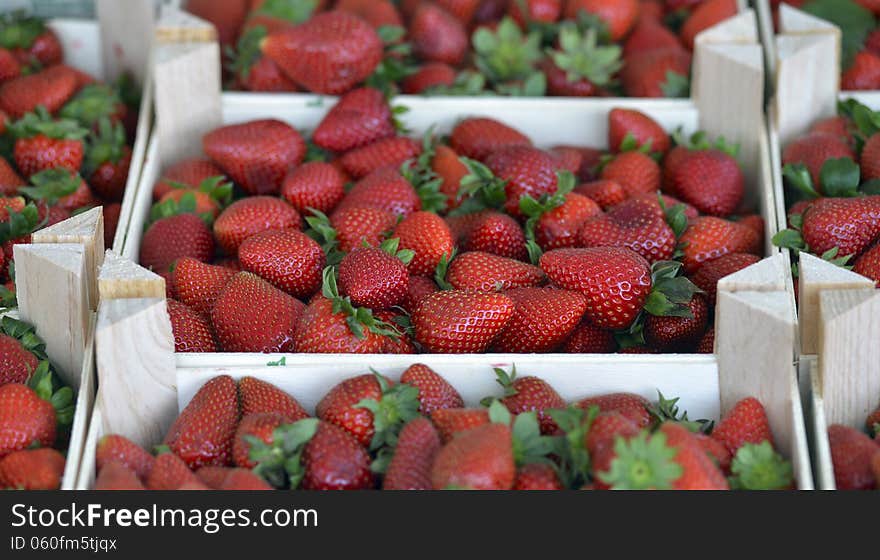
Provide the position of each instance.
(126, 36)
(768, 275)
(120, 278)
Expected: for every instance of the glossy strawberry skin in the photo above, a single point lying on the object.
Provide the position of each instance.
(435, 393)
(527, 170)
(315, 185)
(710, 180)
(452, 421)
(373, 278)
(289, 259)
(559, 227)
(322, 331)
(170, 239)
(429, 237)
(537, 476)
(116, 448)
(699, 471)
(636, 172)
(678, 334)
(116, 476)
(169, 472)
(16, 362)
(24, 418)
(51, 88)
(813, 150)
(745, 423)
(632, 406)
(534, 394)
(437, 36)
(339, 406)
(458, 322)
(711, 272)
(618, 15)
(633, 225)
(360, 117)
(851, 453)
(600, 439)
(480, 459)
(257, 396)
(495, 233)
(709, 237)
(485, 272)
(384, 189)
(334, 460)
(606, 194)
(32, 469)
(41, 152)
(868, 264)
(358, 225)
(543, 319)
(192, 332)
(198, 284)
(188, 172)
(478, 138)
(249, 216)
(410, 467)
(643, 129)
(863, 74)
(587, 338)
(430, 75)
(704, 16)
(647, 73)
(850, 224)
(390, 152)
(261, 426)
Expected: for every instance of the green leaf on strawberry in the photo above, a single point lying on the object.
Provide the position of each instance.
(18, 30)
(533, 209)
(854, 21)
(357, 318)
(279, 462)
(467, 83)
(399, 404)
(20, 224)
(790, 239)
(321, 231)
(391, 246)
(105, 144)
(840, 177)
(294, 12)
(529, 446)
(441, 270)
(41, 122)
(759, 467)
(643, 462)
(671, 293)
(676, 85)
(50, 185)
(26, 335)
(798, 176)
(498, 413)
(422, 177)
(573, 457)
(676, 217)
(506, 54)
(667, 410)
(48, 388)
(582, 57)
(91, 104)
(480, 189)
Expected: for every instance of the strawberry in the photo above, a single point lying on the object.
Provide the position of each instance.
(352, 227)
(868, 264)
(192, 332)
(636, 172)
(315, 185)
(704, 16)
(452, 421)
(559, 219)
(243, 480)
(249, 216)
(491, 273)
(187, 172)
(227, 17)
(258, 396)
(537, 11)
(863, 73)
(587, 338)
(633, 225)
(870, 159)
(568, 158)
(657, 73)
(428, 76)
(478, 138)
(606, 194)
(169, 239)
(850, 224)
(393, 152)
(252, 69)
(198, 285)
(527, 394)
(261, 426)
(628, 128)
(460, 322)
(330, 53)
(813, 150)
(202, 434)
(429, 237)
(524, 171)
(9, 67)
(745, 423)
(206, 202)
(711, 180)
(755, 223)
(9, 179)
(464, 10)
(212, 477)
(649, 35)
(707, 277)
(678, 334)
(50, 88)
(698, 471)
(410, 466)
(580, 67)
(716, 450)
(837, 125)
(449, 168)
(169, 472)
(537, 476)
(384, 189)
(43, 143)
(543, 320)
(107, 161)
(435, 393)
(251, 315)
(708, 238)
(629, 405)
(419, 288)
(20, 351)
(94, 103)
(289, 259)
(118, 449)
(495, 233)
(32, 469)
(618, 15)
(116, 476)
(360, 117)
(27, 416)
(851, 453)
(707, 343)
(32, 42)
(61, 187)
(377, 13)
(607, 429)
(256, 155)
(479, 459)
(375, 277)
(437, 36)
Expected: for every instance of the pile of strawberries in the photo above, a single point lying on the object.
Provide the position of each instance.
(832, 175)
(369, 432)
(367, 241)
(35, 412)
(855, 455)
(64, 139)
(578, 48)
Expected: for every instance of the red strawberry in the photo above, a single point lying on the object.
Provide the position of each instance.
(419, 288)
(360, 117)
(568, 158)
(9, 66)
(119, 449)
(451, 170)
(33, 42)
(678, 334)
(635, 172)
(192, 332)
(813, 150)
(600, 440)
(384, 189)
(116, 476)
(17, 360)
(870, 158)
(529, 393)
(253, 70)
(108, 177)
(642, 129)
(542, 11)
(587, 338)
(464, 10)
(360, 162)
(480, 459)
(169, 472)
(459, 322)
(863, 73)
(618, 15)
(261, 426)
(633, 225)
(198, 284)
(334, 460)
(649, 35)
(50, 88)
(526, 171)
(868, 264)
(716, 450)
(42, 143)
(707, 343)
(340, 405)
(745, 423)
(289, 259)
(756, 223)
(207, 204)
(315, 185)
(631, 406)
(851, 453)
(478, 138)
(9, 179)
(704, 16)
(708, 238)
(838, 126)
(358, 225)
(851, 224)
(250, 216)
(330, 53)
(616, 281)
(452, 421)
(606, 194)
(243, 480)
(61, 187)
(428, 76)
(26, 415)
(373, 278)
(169, 239)
(378, 13)
(543, 320)
(258, 396)
(491, 273)
(699, 472)
(410, 466)
(707, 277)
(188, 172)
(657, 73)
(558, 227)
(426, 234)
(437, 36)
(711, 180)
(323, 330)
(257, 155)
(32, 469)
(250, 315)
(227, 17)
(495, 233)
(435, 393)
(537, 476)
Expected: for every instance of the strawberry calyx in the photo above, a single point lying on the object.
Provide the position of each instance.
(91, 104)
(534, 209)
(20, 224)
(357, 318)
(294, 11)
(676, 85)
(700, 141)
(325, 235)
(582, 57)
(644, 462)
(467, 83)
(396, 62)
(480, 189)
(246, 52)
(573, 457)
(280, 462)
(666, 410)
(40, 122)
(792, 239)
(443, 268)
(26, 336)
(421, 175)
(105, 144)
(391, 246)
(44, 384)
(507, 55)
(19, 31)
(8, 299)
(760, 467)
(676, 218)
(399, 404)
(50, 185)
(217, 187)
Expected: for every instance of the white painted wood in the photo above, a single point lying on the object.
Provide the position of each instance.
(135, 359)
(121, 278)
(126, 36)
(52, 295)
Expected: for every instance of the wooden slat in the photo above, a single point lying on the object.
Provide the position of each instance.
(126, 36)
(120, 278)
